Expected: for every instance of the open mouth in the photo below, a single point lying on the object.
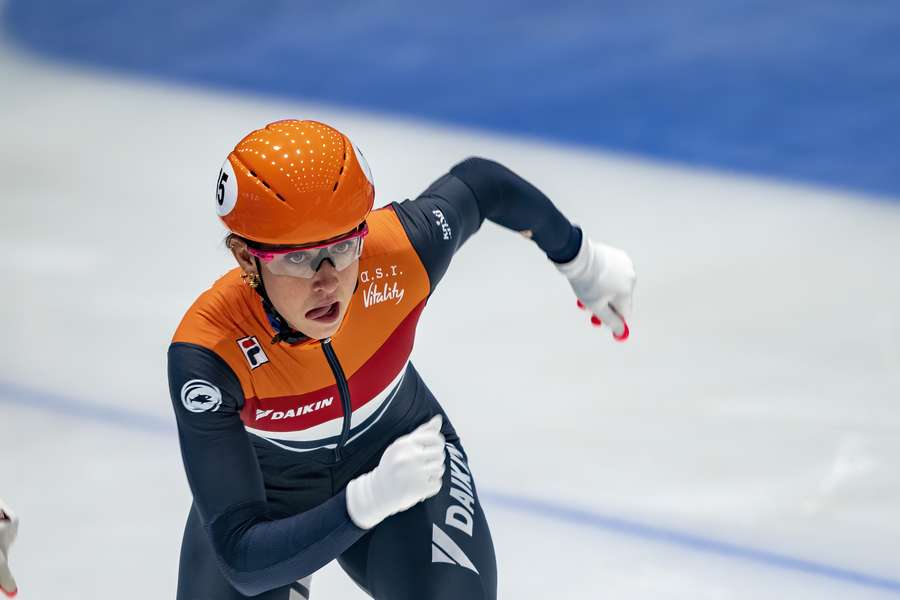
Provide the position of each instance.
(324, 314)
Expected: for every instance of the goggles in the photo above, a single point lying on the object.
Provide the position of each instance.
(304, 261)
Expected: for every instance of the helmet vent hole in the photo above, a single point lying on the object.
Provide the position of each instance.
(334, 189)
(280, 197)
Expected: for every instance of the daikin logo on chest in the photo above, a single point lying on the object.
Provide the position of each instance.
(303, 409)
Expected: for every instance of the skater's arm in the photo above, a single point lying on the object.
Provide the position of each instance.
(508, 200)
(255, 552)
(454, 206)
(445, 215)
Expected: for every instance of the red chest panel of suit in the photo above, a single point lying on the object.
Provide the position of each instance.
(293, 392)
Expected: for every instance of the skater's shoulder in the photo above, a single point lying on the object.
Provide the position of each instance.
(386, 233)
(223, 311)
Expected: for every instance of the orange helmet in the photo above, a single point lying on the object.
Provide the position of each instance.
(293, 183)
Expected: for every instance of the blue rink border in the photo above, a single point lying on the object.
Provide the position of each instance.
(26, 397)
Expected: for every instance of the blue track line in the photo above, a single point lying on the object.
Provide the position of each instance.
(19, 395)
(11, 393)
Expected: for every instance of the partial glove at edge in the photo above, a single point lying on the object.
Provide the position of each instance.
(9, 528)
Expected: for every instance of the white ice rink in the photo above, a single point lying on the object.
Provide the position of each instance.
(744, 444)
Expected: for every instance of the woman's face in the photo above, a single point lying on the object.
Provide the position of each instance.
(314, 306)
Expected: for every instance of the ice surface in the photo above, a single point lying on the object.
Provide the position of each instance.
(755, 405)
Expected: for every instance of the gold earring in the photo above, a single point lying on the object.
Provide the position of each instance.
(251, 279)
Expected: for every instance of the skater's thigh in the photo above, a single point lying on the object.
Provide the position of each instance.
(199, 577)
(438, 549)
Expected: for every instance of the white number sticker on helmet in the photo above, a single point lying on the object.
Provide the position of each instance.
(226, 189)
(363, 163)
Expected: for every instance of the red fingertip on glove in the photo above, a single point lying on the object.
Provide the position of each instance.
(596, 322)
(11, 594)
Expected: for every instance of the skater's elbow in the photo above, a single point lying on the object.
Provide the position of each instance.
(255, 558)
(247, 586)
(257, 581)
(254, 579)
(249, 583)
(241, 575)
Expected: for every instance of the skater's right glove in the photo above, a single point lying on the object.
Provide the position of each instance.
(602, 278)
(410, 470)
(9, 526)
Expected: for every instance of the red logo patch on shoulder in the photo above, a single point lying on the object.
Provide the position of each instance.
(253, 352)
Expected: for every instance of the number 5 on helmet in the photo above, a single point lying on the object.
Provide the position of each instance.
(293, 183)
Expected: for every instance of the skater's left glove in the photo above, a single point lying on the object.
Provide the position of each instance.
(410, 470)
(603, 280)
(9, 526)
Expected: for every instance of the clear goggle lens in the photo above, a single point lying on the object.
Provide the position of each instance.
(305, 261)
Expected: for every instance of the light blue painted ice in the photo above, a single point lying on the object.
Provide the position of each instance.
(745, 443)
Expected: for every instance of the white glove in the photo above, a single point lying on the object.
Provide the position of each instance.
(410, 470)
(603, 280)
(9, 527)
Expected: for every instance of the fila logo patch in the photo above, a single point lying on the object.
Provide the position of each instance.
(445, 550)
(253, 352)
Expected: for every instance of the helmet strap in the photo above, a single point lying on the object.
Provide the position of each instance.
(283, 331)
